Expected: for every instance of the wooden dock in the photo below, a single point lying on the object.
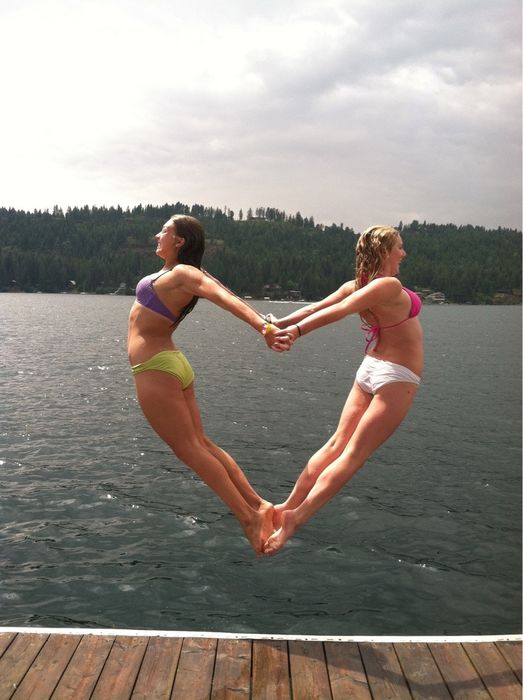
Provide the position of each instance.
(55, 664)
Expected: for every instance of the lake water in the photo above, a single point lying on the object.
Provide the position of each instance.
(101, 526)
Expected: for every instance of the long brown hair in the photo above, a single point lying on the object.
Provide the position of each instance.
(191, 252)
(373, 245)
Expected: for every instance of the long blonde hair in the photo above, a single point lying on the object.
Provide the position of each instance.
(373, 245)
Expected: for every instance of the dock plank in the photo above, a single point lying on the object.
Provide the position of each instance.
(17, 659)
(384, 672)
(156, 677)
(5, 640)
(346, 673)
(121, 669)
(85, 666)
(458, 672)
(232, 672)
(421, 671)
(47, 668)
(309, 677)
(270, 670)
(512, 653)
(494, 670)
(195, 668)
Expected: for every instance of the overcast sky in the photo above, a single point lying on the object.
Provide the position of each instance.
(347, 110)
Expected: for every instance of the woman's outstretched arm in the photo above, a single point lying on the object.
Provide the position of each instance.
(198, 283)
(381, 291)
(342, 293)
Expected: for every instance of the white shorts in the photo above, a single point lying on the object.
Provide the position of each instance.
(374, 373)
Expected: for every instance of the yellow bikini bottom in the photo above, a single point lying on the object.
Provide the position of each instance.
(171, 361)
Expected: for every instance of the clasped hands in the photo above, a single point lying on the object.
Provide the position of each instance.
(279, 339)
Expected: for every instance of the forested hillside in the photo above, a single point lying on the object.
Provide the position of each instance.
(97, 249)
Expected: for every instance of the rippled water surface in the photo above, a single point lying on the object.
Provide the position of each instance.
(101, 526)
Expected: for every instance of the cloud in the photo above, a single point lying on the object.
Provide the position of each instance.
(347, 111)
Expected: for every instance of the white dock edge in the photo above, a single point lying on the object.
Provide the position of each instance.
(384, 639)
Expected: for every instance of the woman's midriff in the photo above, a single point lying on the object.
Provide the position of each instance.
(145, 338)
(401, 345)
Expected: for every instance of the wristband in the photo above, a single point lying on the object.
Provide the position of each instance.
(267, 328)
(299, 329)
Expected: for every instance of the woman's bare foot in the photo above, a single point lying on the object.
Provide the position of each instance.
(286, 530)
(260, 527)
(278, 512)
(267, 511)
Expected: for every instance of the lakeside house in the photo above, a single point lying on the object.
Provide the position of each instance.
(507, 296)
(435, 298)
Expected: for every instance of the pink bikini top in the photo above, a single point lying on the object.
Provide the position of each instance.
(146, 296)
(372, 333)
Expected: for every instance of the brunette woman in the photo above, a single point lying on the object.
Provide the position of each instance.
(165, 380)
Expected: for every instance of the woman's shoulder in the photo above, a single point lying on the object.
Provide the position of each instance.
(183, 269)
(182, 273)
(383, 291)
(391, 284)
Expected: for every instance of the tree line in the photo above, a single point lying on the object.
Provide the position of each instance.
(266, 251)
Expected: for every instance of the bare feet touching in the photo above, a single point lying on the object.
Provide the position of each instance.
(259, 527)
(270, 528)
(287, 528)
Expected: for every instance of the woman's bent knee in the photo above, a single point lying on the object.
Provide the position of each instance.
(354, 457)
(207, 443)
(336, 444)
(186, 449)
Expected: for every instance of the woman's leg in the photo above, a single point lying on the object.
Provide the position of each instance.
(386, 411)
(355, 406)
(235, 473)
(166, 408)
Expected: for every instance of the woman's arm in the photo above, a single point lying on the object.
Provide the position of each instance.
(197, 283)
(344, 291)
(379, 292)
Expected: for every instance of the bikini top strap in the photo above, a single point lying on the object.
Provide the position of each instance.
(160, 274)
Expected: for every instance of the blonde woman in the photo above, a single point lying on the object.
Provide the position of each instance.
(164, 378)
(385, 383)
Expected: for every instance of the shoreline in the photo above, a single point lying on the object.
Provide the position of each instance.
(275, 301)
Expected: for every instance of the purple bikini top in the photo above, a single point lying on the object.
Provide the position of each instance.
(146, 296)
(372, 333)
